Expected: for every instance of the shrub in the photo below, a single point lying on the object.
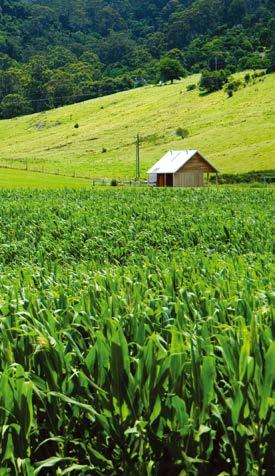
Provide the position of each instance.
(246, 177)
(113, 183)
(76, 126)
(260, 74)
(191, 87)
(213, 80)
(232, 87)
(183, 133)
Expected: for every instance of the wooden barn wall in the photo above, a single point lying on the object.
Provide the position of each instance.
(197, 163)
(188, 179)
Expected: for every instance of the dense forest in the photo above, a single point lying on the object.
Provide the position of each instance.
(55, 52)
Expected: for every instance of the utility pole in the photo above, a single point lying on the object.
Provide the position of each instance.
(137, 157)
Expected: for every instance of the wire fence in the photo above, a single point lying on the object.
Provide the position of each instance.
(25, 167)
(132, 183)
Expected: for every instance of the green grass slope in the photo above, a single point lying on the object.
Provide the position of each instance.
(24, 179)
(236, 134)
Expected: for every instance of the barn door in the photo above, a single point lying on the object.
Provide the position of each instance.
(169, 180)
(160, 180)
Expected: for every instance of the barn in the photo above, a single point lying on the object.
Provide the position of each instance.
(181, 168)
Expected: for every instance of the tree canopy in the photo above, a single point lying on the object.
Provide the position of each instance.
(53, 52)
(170, 69)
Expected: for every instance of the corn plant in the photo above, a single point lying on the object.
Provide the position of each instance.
(137, 334)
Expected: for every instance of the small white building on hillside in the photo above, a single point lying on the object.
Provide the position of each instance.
(180, 168)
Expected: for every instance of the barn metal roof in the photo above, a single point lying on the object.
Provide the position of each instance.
(171, 162)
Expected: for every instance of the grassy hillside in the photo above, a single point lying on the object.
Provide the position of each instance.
(236, 134)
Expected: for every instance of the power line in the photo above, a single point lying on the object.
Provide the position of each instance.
(61, 97)
(56, 97)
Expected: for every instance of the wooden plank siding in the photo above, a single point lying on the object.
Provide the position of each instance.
(197, 163)
(188, 179)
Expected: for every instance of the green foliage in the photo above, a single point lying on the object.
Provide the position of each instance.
(213, 80)
(271, 65)
(176, 54)
(90, 42)
(170, 69)
(254, 61)
(14, 105)
(61, 89)
(143, 348)
(12, 81)
(233, 86)
(61, 57)
(249, 177)
(191, 87)
(181, 132)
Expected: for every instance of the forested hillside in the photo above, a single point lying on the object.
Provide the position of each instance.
(55, 52)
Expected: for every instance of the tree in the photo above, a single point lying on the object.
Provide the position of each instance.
(115, 48)
(41, 20)
(271, 58)
(91, 58)
(138, 57)
(59, 57)
(253, 61)
(176, 54)
(108, 86)
(114, 38)
(35, 89)
(271, 66)
(236, 10)
(14, 105)
(170, 69)
(61, 88)
(82, 72)
(155, 43)
(11, 82)
(110, 20)
(6, 62)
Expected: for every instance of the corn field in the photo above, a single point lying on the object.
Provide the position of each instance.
(137, 335)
